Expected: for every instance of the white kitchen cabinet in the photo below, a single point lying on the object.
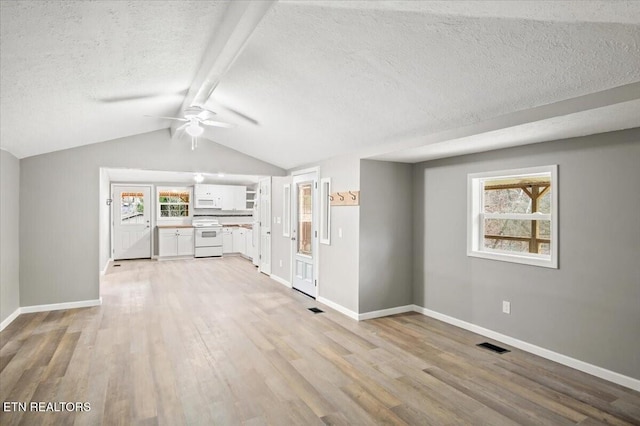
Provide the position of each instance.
(208, 196)
(225, 197)
(249, 244)
(240, 197)
(239, 240)
(173, 242)
(234, 197)
(227, 240)
(185, 242)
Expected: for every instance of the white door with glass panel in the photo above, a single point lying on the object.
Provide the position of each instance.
(304, 232)
(131, 222)
(264, 212)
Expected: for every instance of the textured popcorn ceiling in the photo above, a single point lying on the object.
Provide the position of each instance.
(321, 78)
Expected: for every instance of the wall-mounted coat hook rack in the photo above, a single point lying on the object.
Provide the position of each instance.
(345, 198)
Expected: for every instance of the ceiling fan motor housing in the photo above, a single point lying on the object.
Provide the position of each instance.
(197, 112)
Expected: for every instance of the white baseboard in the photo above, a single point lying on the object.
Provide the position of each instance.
(594, 370)
(104, 270)
(52, 307)
(9, 319)
(59, 306)
(338, 308)
(280, 280)
(386, 312)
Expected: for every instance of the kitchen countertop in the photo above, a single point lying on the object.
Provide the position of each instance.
(174, 226)
(239, 225)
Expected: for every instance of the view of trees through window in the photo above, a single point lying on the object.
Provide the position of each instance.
(132, 208)
(173, 204)
(511, 198)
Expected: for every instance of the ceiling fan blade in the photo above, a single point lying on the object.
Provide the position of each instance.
(181, 128)
(212, 103)
(167, 118)
(111, 99)
(217, 124)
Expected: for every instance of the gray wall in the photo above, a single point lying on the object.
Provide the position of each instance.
(280, 246)
(386, 235)
(587, 309)
(10, 239)
(59, 231)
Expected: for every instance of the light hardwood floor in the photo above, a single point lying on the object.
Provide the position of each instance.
(213, 342)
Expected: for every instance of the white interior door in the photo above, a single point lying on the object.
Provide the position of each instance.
(304, 233)
(131, 222)
(264, 199)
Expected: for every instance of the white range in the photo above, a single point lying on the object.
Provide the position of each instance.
(208, 236)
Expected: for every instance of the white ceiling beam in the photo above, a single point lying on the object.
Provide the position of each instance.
(426, 147)
(238, 24)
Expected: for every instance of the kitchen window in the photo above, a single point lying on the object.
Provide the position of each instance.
(174, 203)
(513, 216)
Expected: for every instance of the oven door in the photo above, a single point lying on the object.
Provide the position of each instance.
(208, 237)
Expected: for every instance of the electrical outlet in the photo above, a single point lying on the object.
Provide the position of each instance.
(506, 307)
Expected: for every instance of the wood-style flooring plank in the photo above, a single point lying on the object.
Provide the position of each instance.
(214, 342)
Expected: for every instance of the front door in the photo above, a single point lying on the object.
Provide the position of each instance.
(131, 226)
(304, 232)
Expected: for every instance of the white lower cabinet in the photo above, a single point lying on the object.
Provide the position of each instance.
(239, 240)
(227, 240)
(249, 244)
(236, 239)
(173, 242)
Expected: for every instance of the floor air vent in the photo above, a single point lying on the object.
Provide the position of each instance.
(316, 310)
(493, 348)
(116, 266)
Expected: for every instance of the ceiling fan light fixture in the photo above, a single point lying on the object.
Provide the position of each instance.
(194, 129)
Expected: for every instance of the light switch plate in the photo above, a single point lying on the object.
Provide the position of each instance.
(506, 307)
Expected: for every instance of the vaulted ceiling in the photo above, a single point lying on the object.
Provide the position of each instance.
(308, 80)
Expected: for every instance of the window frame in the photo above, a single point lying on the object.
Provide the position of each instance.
(325, 211)
(160, 189)
(476, 217)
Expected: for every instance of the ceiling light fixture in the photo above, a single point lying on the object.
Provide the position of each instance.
(198, 178)
(194, 130)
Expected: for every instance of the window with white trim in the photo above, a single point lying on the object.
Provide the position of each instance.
(174, 203)
(513, 216)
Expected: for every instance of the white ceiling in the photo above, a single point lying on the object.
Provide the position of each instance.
(321, 78)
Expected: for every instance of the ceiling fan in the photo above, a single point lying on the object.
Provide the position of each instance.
(194, 118)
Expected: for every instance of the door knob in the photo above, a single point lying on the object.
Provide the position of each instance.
(293, 238)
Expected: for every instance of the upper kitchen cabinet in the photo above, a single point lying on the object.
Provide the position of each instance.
(223, 197)
(207, 196)
(234, 197)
